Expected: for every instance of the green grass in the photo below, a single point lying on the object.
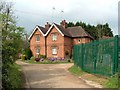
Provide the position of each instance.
(45, 62)
(109, 82)
(15, 76)
(112, 82)
(76, 70)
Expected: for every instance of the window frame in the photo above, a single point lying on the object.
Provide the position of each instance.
(54, 36)
(54, 50)
(36, 37)
(37, 51)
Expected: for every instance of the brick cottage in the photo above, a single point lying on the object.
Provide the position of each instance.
(57, 40)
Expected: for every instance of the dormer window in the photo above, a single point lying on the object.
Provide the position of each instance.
(54, 36)
(37, 38)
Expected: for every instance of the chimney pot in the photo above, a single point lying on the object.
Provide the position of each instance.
(47, 26)
(63, 23)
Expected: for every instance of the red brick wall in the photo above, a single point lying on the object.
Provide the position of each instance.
(82, 40)
(67, 46)
(59, 43)
(63, 44)
(34, 43)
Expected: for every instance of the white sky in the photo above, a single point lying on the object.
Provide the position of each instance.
(37, 12)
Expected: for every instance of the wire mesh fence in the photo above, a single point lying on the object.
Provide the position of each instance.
(99, 57)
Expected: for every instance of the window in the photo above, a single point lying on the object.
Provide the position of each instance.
(79, 40)
(54, 37)
(54, 50)
(37, 51)
(37, 37)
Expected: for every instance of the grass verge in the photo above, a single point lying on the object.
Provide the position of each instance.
(112, 82)
(106, 82)
(76, 70)
(15, 76)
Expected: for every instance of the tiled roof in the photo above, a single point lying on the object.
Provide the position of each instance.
(44, 30)
(78, 31)
(63, 30)
(72, 32)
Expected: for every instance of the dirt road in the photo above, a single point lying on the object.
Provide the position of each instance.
(50, 76)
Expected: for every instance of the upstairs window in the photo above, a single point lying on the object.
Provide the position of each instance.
(54, 50)
(54, 37)
(37, 38)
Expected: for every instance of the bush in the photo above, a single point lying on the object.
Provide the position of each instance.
(12, 78)
(32, 58)
(28, 53)
(68, 60)
(23, 57)
(43, 56)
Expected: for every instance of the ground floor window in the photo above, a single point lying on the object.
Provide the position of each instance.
(54, 50)
(37, 51)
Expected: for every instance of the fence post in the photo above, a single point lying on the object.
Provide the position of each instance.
(115, 62)
(94, 55)
(74, 54)
(82, 57)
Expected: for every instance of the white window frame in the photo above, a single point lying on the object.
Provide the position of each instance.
(37, 51)
(54, 36)
(37, 38)
(54, 50)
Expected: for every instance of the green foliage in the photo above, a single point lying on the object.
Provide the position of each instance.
(68, 60)
(43, 56)
(11, 43)
(112, 82)
(71, 24)
(32, 58)
(28, 53)
(12, 78)
(23, 57)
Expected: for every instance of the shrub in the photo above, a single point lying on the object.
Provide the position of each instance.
(32, 58)
(43, 56)
(23, 57)
(68, 60)
(12, 79)
(28, 53)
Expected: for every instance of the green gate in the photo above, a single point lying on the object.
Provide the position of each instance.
(99, 57)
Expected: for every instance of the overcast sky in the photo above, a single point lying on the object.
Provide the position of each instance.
(37, 12)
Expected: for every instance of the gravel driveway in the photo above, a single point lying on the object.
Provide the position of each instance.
(50, 76)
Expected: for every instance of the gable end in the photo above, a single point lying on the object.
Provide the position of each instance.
(34, 31)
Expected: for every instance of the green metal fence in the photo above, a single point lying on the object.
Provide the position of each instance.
(99, 57)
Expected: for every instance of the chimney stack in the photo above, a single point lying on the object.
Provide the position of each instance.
(64, 24)
(47, 26)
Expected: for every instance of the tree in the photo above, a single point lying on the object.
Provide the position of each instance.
(11, 41)
(71, 24)
(77, 24)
